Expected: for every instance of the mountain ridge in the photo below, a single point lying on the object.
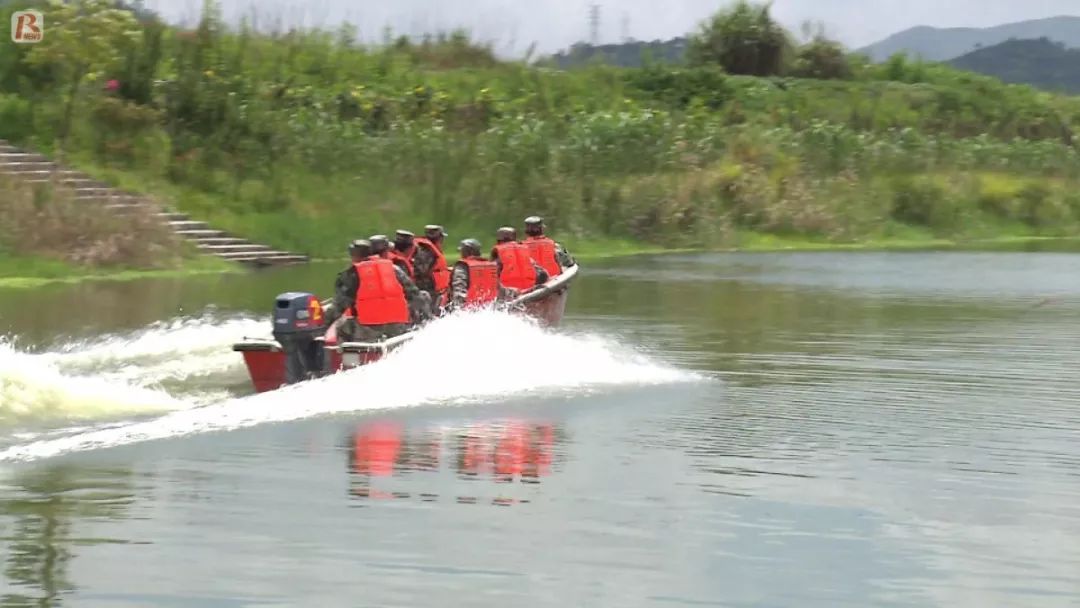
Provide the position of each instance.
(1041, 63)
(944, 44)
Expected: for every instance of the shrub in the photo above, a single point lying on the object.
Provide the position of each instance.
(743, 39)
(821, 58)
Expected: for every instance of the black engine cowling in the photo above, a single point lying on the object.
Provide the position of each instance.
(299, 321)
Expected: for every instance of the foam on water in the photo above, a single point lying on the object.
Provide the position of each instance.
(115, 376)
(32, 387)
(180, 349)
(462, 358)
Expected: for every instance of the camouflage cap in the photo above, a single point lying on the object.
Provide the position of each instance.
(505, 234)
(470, 244)
(360, 247)
(379, 243)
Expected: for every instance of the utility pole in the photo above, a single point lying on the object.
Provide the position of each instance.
(594, 24)
(626, 27)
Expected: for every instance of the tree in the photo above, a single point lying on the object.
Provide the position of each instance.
(744, 39)
(821, 58)
(83, 37)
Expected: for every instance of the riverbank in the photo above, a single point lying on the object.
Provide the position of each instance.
(30, 272)
(758, 243)
(664, 158)
(27, 272)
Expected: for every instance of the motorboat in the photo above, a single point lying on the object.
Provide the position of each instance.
(303, 346)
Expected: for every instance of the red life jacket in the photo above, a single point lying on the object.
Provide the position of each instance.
(542, 250)
(483, 282)
(440, 272)
(403, 259)
(517, 268)
(380, 299)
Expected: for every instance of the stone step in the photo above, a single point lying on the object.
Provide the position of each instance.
(125, 206)
(33, 175)
(220, 240)
(67, 182)
(249, 255)
(21, 167)
(37, 170)
(22, 157)
(195, 234)
(99, 192)
(238, 248)
(93, 199)
(185, 225)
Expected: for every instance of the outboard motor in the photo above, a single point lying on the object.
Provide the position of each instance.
(298, 321)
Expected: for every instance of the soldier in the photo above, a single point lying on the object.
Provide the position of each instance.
(380, 247)
(404, 250)
(517, 270)
(430, 270)
(552, 256)
(474, 282)
(379, 299)
(347, 281)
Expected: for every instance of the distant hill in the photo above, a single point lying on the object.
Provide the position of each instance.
(943, 44)
(1041, 63)
(628, 54)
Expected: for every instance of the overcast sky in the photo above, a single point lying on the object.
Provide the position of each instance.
(512, 25)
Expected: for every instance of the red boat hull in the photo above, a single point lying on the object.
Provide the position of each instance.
(266, 367)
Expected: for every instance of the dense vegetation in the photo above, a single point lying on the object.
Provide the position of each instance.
(1041, 63)
(306, 139)
(631, 54)
(1045, 55)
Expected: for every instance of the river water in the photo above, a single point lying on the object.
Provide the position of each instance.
(810, 429)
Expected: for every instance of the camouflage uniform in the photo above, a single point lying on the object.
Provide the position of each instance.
(398, 263)
(351, 331)
(423, 269)
(345, 288)
(459, 285)
(563, 257)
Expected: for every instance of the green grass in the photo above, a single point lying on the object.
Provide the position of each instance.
(30, 272)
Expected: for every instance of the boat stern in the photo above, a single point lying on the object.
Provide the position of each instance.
(265, 361)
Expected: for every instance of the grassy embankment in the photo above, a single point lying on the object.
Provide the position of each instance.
(308, 140)
(48, 236)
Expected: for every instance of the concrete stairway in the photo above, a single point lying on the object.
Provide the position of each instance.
(35, 168)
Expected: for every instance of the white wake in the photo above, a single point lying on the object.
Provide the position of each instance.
(460, 359)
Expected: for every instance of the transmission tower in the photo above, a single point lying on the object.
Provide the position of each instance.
(626, 27)
(594, 24)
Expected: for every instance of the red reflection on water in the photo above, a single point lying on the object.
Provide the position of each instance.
(506, 450)
(375, 448)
